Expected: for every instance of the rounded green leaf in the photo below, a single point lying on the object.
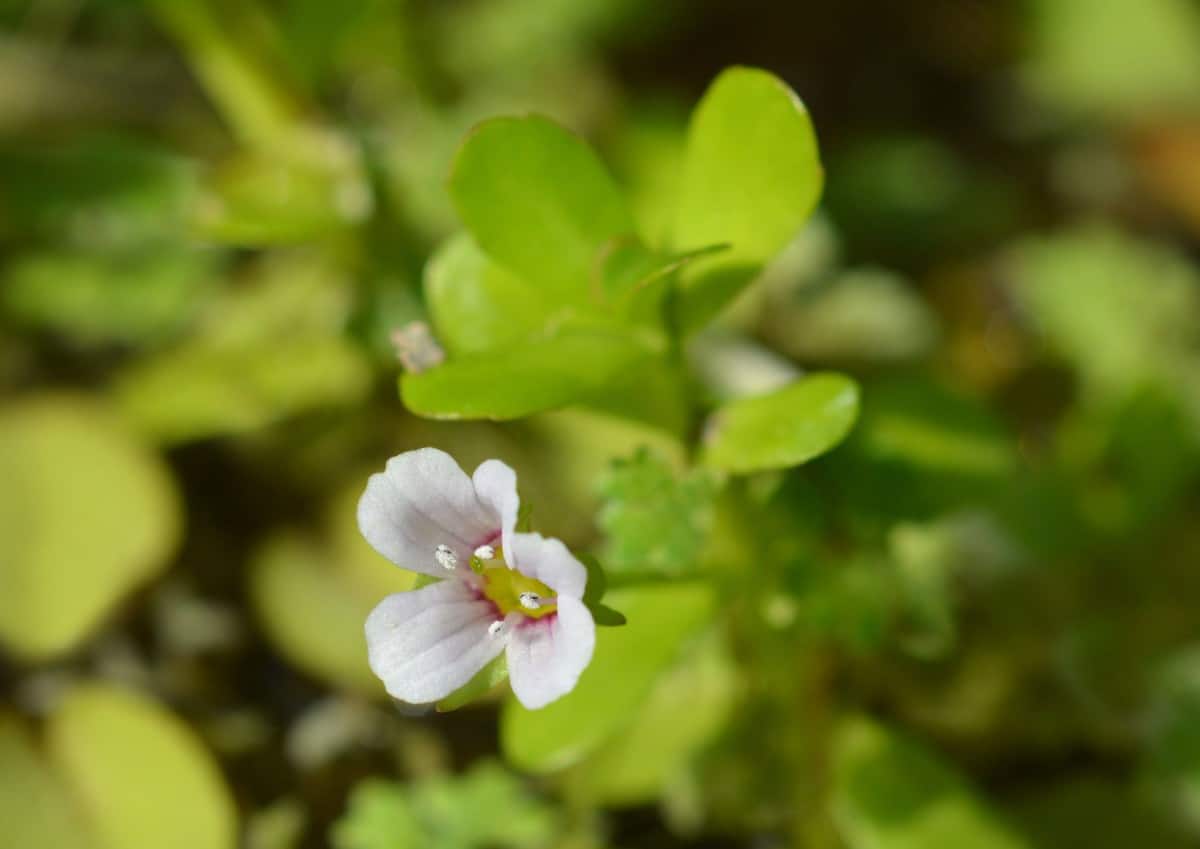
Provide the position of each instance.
(751, 171)
(751, 177)
(784, 428)
(538, 201)
(35, 805)
(511, 383)
(624, 669)
(890, 793)
(476, 305)
(142, 777)
(86, 515)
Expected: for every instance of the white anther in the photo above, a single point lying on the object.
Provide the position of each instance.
(445, 557)
(485, 552)
(496, 627)
(530, 601)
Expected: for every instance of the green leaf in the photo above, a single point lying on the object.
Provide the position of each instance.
(144, 779)
(656, 520)
(607, 617)
(529, 378)
(785, 428)
(597, 579)
(624, 668)
(35, 805)
(751, 178)
(687, 708)
(476, 305)
(87, 514)
(890, 793)
(487, 807)
(630, 268)
(137, 297)
(538, 201)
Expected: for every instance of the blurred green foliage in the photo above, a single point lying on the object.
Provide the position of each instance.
(942, 598)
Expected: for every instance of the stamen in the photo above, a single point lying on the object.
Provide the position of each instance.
(445, 557)
(530, 601)
(496, 627)
(485, 552)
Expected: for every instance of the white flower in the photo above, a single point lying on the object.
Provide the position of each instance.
(498, 588)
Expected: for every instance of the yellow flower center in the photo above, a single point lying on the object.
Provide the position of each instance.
(511, 591)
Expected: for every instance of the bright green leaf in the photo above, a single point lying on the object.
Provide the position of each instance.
(86, 515)
(785, 428)
(624, 668)
(751, 178)
(528, 378)
(142, 776)
(476, 305)
(890, 793)
(629, 268)
(538, 201)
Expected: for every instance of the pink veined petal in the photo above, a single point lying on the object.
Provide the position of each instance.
(546, 656)
(427, 643)
(549, 561)
(421, 500)
(496, 486)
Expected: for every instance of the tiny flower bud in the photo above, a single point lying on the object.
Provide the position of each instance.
(445, 558)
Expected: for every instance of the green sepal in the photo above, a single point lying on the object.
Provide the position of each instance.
(597, 586)
(485, 680)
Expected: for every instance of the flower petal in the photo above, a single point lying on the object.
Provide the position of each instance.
(546, 656)
(422, 500)
(496, 485)
(548, 560)
(427, 643)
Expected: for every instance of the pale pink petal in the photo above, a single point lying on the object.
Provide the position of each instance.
(546, 656)
(496, 486)
(422, 500)
(548, 560)
(427, 643)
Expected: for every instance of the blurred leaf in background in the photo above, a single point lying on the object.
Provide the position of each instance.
(486, 807)
(88, 514)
